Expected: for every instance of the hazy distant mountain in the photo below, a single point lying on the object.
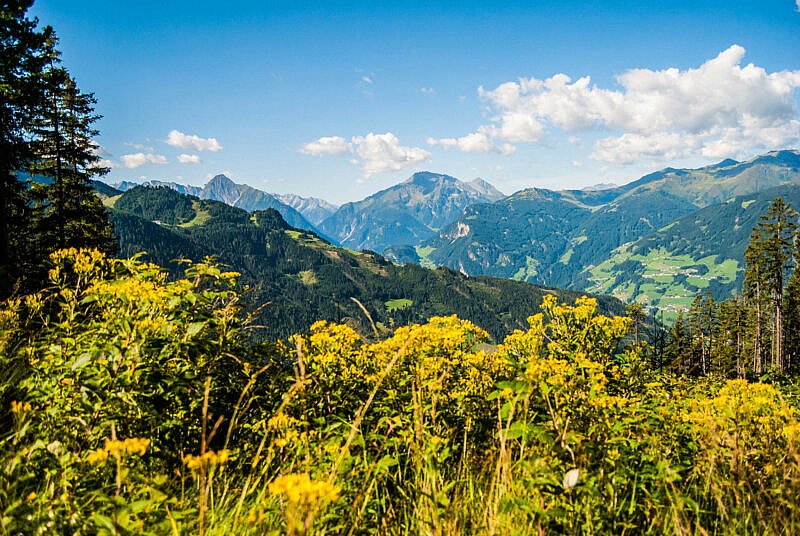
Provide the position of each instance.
(313, 209)
(124, 186)
(486, 189)
(406, 213)
(599, 186)
(221, 188)
(559, 237)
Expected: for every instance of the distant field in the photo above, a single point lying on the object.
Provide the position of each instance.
(669, 282)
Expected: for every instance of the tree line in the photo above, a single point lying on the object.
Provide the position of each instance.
(48, 155)
(758, 331)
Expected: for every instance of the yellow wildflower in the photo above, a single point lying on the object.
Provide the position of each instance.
(118, 448)
(209, 459)
(301, 489)
(20, 407)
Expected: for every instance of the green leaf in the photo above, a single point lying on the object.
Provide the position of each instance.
(194, 328)
(516, 430)
(82, 361)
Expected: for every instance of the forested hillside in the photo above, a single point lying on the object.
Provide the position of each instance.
(297, 278)
(221, 188)
(701, 252)
(583, 239)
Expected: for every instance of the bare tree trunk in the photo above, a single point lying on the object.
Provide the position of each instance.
(757, 339)
(779, 335)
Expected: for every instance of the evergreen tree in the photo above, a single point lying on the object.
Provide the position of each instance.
(637, 314)
(657, 334)
(71, 215)
(756, 296)
(702, 320)
(679, 346)
(778, 227)
(46, 129)
(729, 347)
(791, 305)
(22, 59)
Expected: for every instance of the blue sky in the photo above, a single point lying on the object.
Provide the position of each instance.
(341, 99)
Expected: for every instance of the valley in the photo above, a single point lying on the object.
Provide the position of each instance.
(296, 277)
(657, 241)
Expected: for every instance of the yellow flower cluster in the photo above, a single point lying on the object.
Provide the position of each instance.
(300, 489)
(20, 407)
(88, 261)
(743, 413)
(34, 302)
(84, 262)
(281, 421)
(524, 345)
(286, 427)
(9, 321)
(442, 353)
(740, 399)
(334, 351)
(553, 372)
(209, 459)
(131, 290)
(152, 326)
(118, 448)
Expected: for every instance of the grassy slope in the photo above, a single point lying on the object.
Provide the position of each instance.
(602, 241)
(703, 251)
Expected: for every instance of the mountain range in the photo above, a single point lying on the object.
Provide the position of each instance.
(221, 188)
(618, 240)
(407, 213)
(294, 277)
(658, 240)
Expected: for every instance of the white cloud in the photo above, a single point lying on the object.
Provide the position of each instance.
(720, 108)
(136, 160)
(374, 153)
(139, 146)
(191, 141)
(431, 91)
(105, 163)
(475, 142)
(189, 158)
(798, 5)
(366, 79)
(325, 145)
(383, 152)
